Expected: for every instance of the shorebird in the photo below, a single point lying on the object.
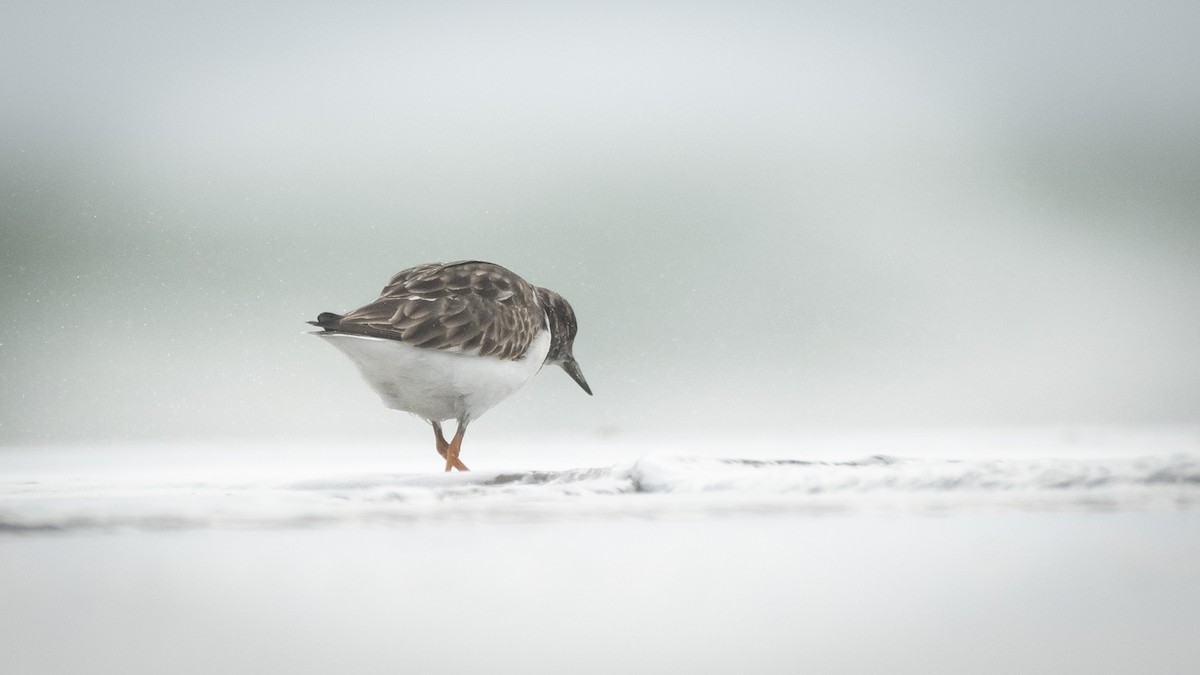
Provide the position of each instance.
(450, 340)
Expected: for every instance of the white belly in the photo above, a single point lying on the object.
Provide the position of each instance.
(438, 385)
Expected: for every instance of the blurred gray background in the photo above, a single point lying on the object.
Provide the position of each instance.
(769, 216)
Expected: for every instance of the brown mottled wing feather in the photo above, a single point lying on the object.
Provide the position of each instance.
(470, 306)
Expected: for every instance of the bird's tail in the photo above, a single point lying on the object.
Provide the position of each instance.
(327, 320)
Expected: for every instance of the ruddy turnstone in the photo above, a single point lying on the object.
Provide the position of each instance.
(449, 341)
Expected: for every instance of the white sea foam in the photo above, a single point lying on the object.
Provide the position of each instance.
(654, 485)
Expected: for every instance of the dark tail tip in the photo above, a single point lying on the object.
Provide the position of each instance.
(327, 320)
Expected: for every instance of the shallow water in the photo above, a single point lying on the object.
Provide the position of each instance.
(1035, 555)
(981, 593)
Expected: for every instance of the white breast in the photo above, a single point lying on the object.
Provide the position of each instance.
(434, 384)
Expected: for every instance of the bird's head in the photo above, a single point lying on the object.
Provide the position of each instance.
(563, 327)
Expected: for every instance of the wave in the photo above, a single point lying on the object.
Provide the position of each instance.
(656, 485)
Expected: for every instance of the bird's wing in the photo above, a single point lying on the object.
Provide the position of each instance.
(472, 307)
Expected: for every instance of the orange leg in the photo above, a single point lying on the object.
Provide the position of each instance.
(443, 447)
(452, 461)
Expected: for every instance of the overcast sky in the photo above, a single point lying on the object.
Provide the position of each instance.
(773, 216)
